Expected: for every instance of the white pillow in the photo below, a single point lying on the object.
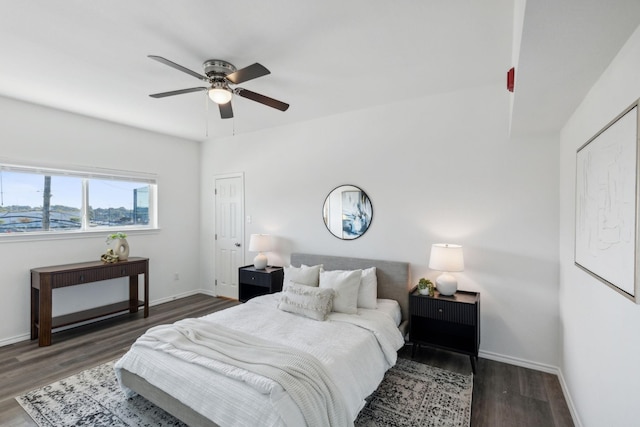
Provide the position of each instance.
(302, 275)
(314, 303)
(368, 293)
(346, 284)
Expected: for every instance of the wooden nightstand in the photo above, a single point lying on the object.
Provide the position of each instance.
(447, 322)
(253, 282)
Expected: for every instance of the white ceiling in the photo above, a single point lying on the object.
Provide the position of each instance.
(326, 57)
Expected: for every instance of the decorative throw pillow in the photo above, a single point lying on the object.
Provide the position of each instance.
(314, 303)
(368, 292)
(346, 284)
(305, 275)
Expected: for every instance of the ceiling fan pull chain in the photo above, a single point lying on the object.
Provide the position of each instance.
(206, 115)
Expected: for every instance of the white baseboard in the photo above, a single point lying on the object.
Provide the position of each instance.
(13, 340)
(519, 362)
(538, 367)
(567, 396)
(182, 295)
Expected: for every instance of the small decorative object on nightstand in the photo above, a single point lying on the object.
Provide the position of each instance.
(425, 287)
(253, 282)
(447, 322)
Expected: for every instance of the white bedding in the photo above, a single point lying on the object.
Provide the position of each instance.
(392, 308)
(354, 357)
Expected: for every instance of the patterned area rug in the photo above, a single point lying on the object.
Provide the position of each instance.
(415, 394)
(411, 394)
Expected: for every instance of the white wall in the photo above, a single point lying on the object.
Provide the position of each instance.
(599, 327)
(37, 134)
(437, 169)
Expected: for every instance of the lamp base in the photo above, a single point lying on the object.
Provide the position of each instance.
(260, 261)
(446, 284)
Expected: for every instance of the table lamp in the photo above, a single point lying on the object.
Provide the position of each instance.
(260, 243)
(447, 258)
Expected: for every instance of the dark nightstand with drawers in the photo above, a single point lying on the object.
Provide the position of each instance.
(253, 282)
(446, 322)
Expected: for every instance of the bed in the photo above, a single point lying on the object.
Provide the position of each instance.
(352, 353)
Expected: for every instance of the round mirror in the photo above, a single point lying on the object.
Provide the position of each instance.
(347, 212)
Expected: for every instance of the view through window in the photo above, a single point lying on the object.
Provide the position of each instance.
(54, 201)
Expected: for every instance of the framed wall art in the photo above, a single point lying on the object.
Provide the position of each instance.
(606, 234)
(347, 212)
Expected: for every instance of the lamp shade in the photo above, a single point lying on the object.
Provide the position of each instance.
(446, 257)
(260, 243)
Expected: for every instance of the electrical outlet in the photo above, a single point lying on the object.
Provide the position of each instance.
(176, 276)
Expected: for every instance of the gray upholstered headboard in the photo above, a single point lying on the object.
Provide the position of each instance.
(393, 276)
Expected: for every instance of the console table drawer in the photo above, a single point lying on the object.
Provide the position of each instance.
(123, 270)
(464, 314)
(71, 278)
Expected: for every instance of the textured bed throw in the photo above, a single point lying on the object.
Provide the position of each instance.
(231, 352)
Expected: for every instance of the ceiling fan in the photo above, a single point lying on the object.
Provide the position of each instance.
(219, 75)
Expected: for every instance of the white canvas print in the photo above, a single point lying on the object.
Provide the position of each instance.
(606, 191)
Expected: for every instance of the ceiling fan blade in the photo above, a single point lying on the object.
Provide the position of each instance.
(247, 73)
(177, 92)
(226, 112)
(273, 103)
(179, 67)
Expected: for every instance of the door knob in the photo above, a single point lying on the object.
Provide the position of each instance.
(237, 245)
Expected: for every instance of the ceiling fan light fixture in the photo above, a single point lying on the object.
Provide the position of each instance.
(219, 74)
(220, 95)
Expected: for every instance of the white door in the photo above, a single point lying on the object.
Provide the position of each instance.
(229, 235)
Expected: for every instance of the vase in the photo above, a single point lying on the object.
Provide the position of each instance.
(121, 248)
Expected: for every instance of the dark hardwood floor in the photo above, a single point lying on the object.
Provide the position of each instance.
(503, 395)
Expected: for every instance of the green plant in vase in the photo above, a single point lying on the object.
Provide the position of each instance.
(118, 235)
(425, 287)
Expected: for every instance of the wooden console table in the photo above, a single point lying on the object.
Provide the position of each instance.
(45, 279)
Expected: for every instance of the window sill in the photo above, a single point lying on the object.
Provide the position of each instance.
(68, 235)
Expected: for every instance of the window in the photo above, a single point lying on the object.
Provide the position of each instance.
(57, 201)
(118, 203)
